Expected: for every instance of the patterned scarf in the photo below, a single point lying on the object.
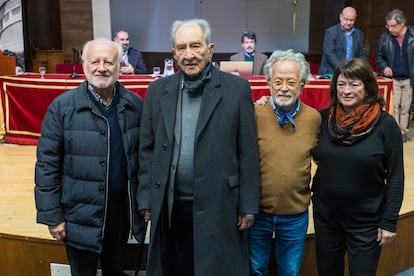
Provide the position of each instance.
(282, 116)
(349, 128)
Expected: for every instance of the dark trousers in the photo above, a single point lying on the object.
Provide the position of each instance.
(338, 232)
(84, 263)
(180, 246)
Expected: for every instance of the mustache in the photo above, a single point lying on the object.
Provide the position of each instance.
(106, 74)
(284, 94)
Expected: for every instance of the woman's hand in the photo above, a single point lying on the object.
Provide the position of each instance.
(385, 237)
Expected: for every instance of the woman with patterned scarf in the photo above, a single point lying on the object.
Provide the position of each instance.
(358, 186)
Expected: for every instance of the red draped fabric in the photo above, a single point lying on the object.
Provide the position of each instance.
(25, 99)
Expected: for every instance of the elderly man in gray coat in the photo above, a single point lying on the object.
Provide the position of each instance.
(199, 169)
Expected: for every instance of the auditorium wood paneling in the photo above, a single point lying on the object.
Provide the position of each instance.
(20, 256)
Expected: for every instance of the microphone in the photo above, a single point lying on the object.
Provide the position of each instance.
(75, 75)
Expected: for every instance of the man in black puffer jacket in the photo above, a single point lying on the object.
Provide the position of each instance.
(87, 163)
(395, 58)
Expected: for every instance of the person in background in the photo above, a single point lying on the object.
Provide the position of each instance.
(395, 58)
(287, 134)
(359, 182)
(132, 61)
(248, 43)
(86, 173)
(199, 168)
(342, 41)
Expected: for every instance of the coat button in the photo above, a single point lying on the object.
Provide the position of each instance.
(101, 189)
(102, 163)
(164, 147)
(157, 185)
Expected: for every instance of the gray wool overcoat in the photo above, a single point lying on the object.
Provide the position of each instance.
(226, 172)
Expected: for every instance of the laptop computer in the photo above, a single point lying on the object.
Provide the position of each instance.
(242, 68)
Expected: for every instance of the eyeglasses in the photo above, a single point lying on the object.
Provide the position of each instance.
(290, 84)
(392, 26)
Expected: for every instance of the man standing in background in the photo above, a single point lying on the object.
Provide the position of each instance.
(395, 58)
(342, 41)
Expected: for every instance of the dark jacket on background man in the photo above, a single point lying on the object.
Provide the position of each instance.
(334, 48)
(386, 49)
(258, 63)
(136, 60)
(73, 157)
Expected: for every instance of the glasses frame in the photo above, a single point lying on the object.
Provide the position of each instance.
(291, 84)
(392, 26)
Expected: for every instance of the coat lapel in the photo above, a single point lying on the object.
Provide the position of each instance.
(211, 97)
(168, 105)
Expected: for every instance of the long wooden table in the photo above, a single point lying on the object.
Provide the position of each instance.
(25, 99)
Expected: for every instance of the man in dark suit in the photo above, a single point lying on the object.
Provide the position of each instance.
(132, 61)
(248, 43)
(199, 170)
(342, 41)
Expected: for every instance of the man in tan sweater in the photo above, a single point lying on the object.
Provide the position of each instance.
(287, 134)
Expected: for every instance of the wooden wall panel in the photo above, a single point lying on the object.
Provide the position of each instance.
(76, 26)
(21, 256)
(7, 64)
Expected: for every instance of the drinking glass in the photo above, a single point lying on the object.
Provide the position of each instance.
(42, 71)
(156, 71)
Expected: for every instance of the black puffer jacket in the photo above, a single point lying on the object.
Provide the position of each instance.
(71, 170)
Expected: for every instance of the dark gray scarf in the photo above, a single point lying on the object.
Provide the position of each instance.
(197, 84)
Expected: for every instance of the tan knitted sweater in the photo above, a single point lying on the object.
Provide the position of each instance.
(285, 159)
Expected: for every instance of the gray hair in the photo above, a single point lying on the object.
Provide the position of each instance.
(397, 15)
(205, 27)
(278, 55)
(103, 41)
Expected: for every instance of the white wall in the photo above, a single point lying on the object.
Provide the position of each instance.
(101, 19)
(148, 22)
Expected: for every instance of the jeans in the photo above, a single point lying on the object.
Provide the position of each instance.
(290, 236)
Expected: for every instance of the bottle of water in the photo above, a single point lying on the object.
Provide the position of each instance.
(168, 67)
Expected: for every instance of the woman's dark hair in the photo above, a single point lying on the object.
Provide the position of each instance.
(357, 69)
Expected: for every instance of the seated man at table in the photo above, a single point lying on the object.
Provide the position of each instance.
(248, 43)
(133, 63)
